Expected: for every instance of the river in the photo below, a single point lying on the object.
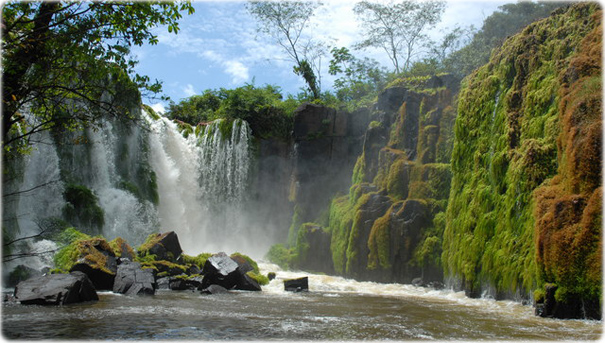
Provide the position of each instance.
(334, 309)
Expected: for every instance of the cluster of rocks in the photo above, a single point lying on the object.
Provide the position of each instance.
(98, 268)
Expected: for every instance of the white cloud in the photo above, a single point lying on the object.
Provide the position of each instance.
(188, 90)
(158, 108)
(238, 71)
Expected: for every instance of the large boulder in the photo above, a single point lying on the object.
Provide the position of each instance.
(165, 246)
(224, 271)
(21, 273)
(97, 260)
(131, 279)
(220, 269)
(56, 289)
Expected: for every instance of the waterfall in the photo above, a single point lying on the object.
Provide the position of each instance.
(30, 200)
(144, 179)
(203, 183)
(125, 215)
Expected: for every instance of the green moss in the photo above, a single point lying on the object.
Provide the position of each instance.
(198, 260)
(279, 255)
(352, 251)
(116, 245)
(184, 128)
(341, 219)
(151, 112)
(82, 208)
(379, 242)
(505, 147)
(255, 272)
(359, 170)
(82, 247)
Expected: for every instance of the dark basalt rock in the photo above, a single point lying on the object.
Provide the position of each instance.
(243, 265)
(214, 289)
(181, 284)
(223, 270)
(101, 279)
(56, 289)
(220, 269)
(271, 276)
(131, 279)
(246, 283)
(98, 261)
(167, 247)
(297, 285)
(163, 283)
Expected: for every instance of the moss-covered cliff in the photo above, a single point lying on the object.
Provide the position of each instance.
(497, 186)
(524, 208)
(384, 228)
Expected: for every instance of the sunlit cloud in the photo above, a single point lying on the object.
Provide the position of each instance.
(239, 72)
(188, 90)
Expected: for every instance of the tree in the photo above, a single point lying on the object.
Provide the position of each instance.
(66, 64)
(397, 27)
(285, 21)
(361, 78)
(508, 20)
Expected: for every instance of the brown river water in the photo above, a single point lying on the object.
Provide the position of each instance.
(333, 309)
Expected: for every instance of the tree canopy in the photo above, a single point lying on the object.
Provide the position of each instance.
(397, 27)
(65, 64)
(285, 21)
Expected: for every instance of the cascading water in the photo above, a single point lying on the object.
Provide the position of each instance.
(203, 183)
(31, 200)
(143, 179)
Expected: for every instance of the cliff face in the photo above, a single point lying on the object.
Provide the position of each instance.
(505, 202)
(388, 228)
(524, 208)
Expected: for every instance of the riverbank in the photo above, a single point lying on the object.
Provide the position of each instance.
(334, 309)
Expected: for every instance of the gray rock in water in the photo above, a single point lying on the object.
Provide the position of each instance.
(56, 289)
(214, 289)
(297, 285)
(131, 279)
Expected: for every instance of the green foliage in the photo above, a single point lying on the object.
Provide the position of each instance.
(82, 208)
(75, 56)
(279, 255)
(262, 107)
(361, 80)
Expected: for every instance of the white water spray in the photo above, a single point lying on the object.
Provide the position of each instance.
(202, 182)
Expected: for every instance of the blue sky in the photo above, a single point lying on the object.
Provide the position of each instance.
(218, 46)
